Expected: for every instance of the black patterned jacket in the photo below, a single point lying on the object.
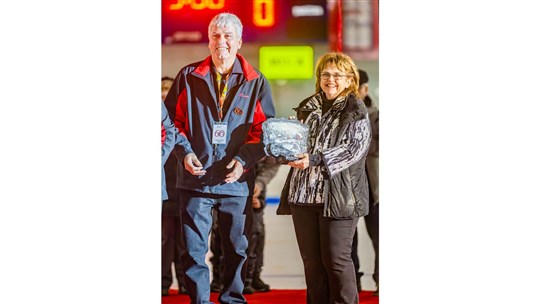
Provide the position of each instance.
(339, 181)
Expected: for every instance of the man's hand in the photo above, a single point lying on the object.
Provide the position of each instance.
(256, 203)
(257, 189)
(237, 171)
(193, 165)
(256, 193)
(301, 163)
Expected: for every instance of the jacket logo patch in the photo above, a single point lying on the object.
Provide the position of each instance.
(243, 95)
(238, 111)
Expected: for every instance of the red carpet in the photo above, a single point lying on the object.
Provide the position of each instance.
(274, 296)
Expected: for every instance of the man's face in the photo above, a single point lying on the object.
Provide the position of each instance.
(363, 91)
(224, 43)
(165, 87)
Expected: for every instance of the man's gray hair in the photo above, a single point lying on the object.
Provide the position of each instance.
(227, 19)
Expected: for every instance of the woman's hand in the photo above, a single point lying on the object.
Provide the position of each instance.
(295, 118)
(301, 163)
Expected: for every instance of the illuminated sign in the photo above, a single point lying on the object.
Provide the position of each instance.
(286, 62)
(279, 21)
(263, 13)
(307, 10)
(197, 5)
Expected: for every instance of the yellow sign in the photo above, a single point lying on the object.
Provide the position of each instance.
(286, 62)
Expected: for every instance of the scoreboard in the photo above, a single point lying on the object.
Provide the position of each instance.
(265, 21)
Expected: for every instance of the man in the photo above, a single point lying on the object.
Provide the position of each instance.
(168, 137)
(170, 216)
(166, 83)
(219, 105)
(372, 170)
(265, 171)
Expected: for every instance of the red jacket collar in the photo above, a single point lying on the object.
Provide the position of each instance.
(247, 69)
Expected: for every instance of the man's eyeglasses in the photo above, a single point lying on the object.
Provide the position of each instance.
(326, 76)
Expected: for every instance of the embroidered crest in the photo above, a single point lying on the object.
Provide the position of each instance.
(238, 111)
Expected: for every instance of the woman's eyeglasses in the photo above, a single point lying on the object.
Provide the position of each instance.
(326, 76)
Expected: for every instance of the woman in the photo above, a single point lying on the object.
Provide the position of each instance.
(326, 190)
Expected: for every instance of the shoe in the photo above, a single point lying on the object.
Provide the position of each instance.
(248, 290)
(182, 290)
(215, 286)
(259, 285)
(164, 292)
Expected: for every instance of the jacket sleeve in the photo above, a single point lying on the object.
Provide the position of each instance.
(354, 147)
(176, 104)
(266, 171)
(253, 149)
(372, 160)
(168, 141)
(374, 121)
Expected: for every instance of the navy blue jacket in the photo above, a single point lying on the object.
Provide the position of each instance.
(168, 137)
(193, 103)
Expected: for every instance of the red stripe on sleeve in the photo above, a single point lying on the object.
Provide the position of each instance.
(181, 115)
(163, 134)
(254, 134)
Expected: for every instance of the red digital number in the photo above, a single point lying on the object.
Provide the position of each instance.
(198, 4)
(263, 13)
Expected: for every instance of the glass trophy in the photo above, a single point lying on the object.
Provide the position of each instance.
(284, 138)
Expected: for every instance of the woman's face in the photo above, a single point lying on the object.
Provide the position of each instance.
(333, 81)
